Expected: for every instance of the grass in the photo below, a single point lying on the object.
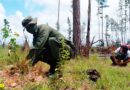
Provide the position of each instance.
(112, 77)
(8, 60)
(74, 74)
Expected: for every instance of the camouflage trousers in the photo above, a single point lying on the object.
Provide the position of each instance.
(51, 54)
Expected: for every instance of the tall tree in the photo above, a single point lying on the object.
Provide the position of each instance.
(58, 25)
(88, 29)
(76, 25)
(129, 14)
(99, 13)
(83, 32)
(125, 19)
(121, 19)
(101, 6)
(107, 25)
(69, 29)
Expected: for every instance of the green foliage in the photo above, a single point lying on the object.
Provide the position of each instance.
(13, 45)
(1, 81)
(8, 60)
(64, 52)
(6, 33)
(6, 30)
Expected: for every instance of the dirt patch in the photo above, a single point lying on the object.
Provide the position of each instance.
(17, 76)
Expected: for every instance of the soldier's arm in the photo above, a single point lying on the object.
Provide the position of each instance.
(114, 53)
(117, 50)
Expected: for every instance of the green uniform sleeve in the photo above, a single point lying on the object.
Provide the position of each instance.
(40, 40)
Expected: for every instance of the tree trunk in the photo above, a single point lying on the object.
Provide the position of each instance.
(76, 25)
(129, 15)
(88, 29)
(3, 45)
(58, 25)
(69, 29)
(107, 25)
(102, 24)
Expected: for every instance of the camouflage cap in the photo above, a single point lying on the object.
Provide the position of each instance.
(29, 20)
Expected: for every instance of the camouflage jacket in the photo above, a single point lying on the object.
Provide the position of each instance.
(43, 32)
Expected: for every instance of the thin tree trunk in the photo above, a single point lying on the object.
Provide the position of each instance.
(76, 25)
(69, 29)
(3, 45)
(58, 25)
(88, 29)
(125, 35)
(99, 20)
(102, 22)
(129, 16)
(107, 30)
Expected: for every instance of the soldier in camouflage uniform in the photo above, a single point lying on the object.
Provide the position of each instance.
(47, 43)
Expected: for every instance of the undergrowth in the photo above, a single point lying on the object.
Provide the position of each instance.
(74, 76)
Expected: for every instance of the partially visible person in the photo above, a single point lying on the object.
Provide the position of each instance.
(121, 56)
